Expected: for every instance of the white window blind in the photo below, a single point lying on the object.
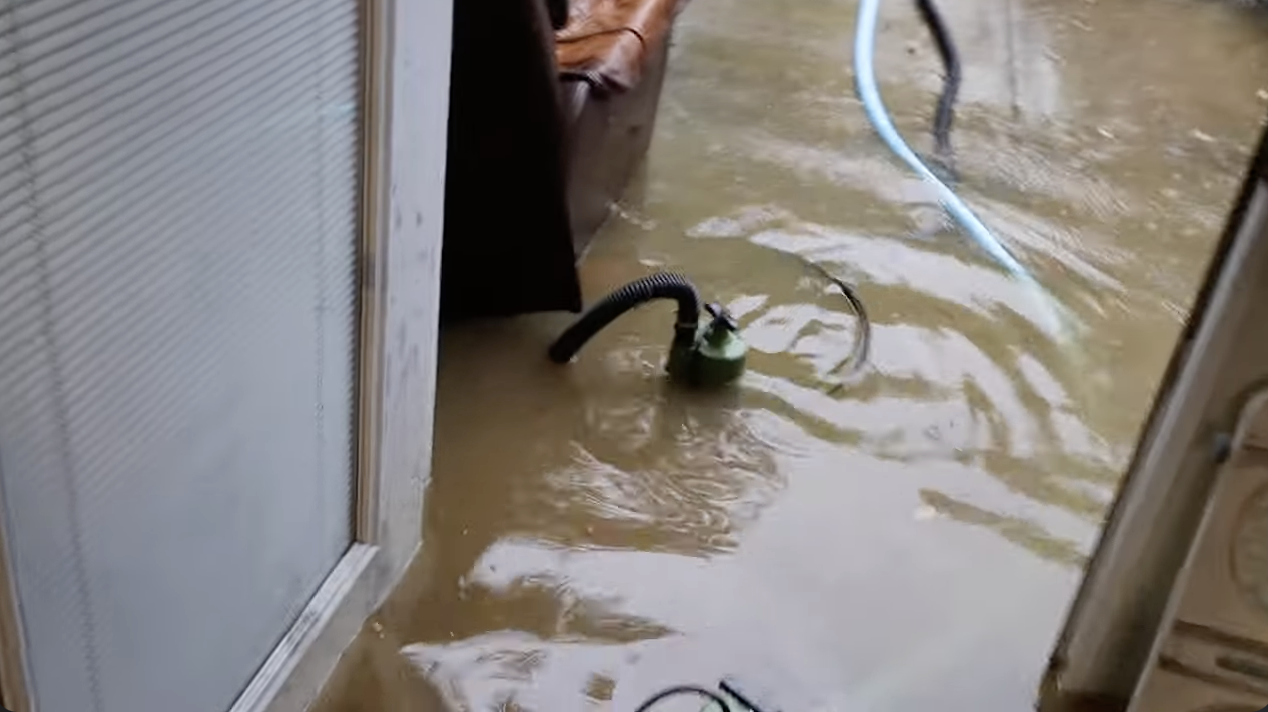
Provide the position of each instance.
(179, 199)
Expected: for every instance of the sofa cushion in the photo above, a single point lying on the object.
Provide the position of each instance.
(607, 42)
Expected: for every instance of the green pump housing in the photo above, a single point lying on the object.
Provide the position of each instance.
(714, 358)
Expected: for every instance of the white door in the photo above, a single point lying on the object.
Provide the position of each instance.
(1173, 613)
(179, 217)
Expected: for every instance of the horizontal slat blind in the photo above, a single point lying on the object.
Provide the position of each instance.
(179, 192)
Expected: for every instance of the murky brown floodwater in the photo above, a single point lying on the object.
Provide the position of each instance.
(593, 534)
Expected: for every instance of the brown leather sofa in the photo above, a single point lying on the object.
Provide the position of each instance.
(547, 124)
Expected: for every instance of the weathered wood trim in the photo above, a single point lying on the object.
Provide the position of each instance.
(376, 74)
(14, 694)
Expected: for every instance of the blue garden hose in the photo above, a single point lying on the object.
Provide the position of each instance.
(865, 84)
(865, 80)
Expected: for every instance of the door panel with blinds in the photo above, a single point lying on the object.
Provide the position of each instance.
(179, 199)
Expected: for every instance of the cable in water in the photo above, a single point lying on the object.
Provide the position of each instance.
(944, 116)
(696, 690)
(854, 362)
(739, 702)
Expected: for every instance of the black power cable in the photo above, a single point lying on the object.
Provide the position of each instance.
(745, 704)
(685, 690)
(945, 114)
(863, 337)
(734, 691)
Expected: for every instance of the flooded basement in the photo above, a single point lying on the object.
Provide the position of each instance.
(594, 534)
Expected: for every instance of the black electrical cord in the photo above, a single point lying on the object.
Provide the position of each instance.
(945, 114)
(863, 340)
(730, 689)
(685, 690)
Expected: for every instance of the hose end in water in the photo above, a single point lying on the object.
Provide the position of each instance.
(664, 285)
(708, 356)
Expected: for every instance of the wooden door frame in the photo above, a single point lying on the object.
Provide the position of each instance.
(14, 692)
(406, 77)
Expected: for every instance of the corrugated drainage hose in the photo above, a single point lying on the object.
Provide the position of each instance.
(945, 115)
(665, 285)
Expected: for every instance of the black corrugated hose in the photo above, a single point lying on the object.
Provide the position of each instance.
(945, 114)
(665, 285)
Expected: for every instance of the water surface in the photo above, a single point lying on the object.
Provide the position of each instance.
(593, 534)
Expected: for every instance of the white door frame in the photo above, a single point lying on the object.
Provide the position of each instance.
(1123, 605)
(406, 59)
(405, 117)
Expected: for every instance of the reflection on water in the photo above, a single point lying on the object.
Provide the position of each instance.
(913, 537)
